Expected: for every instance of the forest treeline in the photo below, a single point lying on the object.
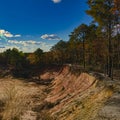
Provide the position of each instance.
(94, 47)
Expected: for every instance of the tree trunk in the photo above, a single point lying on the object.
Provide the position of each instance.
(84, 63)
(110, 52)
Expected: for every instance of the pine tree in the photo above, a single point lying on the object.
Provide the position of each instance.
(100, 10)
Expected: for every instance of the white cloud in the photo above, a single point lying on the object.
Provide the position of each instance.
(50, 37)
(7, 34)
(17, 35)
(56, 1)
(24, 43)
(27, 46)
(2, 49)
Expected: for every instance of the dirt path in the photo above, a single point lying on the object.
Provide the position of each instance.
(111, 109)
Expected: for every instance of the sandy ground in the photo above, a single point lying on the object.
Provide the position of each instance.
(111, 109)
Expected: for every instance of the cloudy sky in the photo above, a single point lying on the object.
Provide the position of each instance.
(31, 24)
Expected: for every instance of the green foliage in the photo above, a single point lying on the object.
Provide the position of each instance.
(59, 52)
(15, 61)
(100, 10)
(89, 45)
(61, 45)
(14, 58)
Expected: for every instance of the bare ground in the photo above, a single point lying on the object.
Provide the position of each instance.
(61, 95)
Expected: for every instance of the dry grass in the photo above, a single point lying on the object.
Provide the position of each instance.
(18, 98)
(14, 98)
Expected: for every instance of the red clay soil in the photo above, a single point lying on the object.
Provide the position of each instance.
(67, 83)
(70, 90)
(66, 86)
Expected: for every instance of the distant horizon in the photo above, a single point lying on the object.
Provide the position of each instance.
(28, 25)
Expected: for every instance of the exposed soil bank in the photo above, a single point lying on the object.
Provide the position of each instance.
(61, 93)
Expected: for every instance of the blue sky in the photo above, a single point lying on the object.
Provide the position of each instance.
(31, 24)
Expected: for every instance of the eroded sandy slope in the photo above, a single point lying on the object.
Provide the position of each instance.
(65, 94)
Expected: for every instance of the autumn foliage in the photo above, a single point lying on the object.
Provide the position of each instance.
(93, 47)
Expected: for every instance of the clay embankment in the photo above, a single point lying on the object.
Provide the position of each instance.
(76, 95)
(63, 94)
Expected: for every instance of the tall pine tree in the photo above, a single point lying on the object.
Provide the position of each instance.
(100, 10)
